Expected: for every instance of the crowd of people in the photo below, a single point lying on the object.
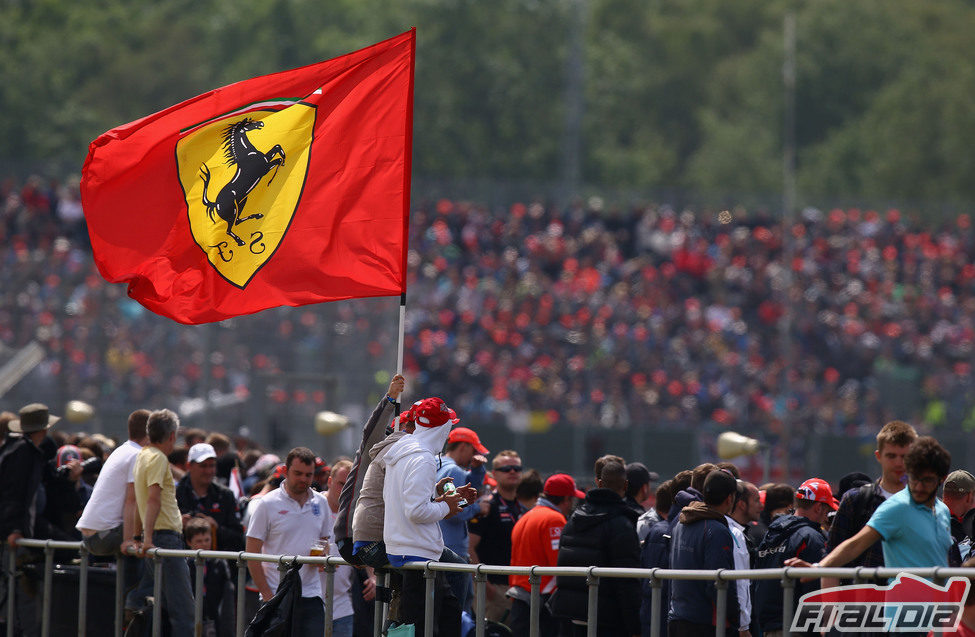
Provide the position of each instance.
(422, 488)
(580, 315)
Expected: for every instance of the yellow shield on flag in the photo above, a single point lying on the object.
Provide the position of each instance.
(242, 177)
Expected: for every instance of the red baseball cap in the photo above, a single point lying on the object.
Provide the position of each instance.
(562, 484)
(463, 434)
(817, 490)
(433, 412)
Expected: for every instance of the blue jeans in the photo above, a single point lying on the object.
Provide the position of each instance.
(460, 583)
(177, 594)
(311, 618)
(342, 627)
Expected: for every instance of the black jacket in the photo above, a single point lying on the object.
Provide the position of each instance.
(21, 467)
(219, 503)
(855, 510)
(601, 532)
(788, 536)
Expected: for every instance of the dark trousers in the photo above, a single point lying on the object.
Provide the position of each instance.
(681, 628)
(446, 608)
(311, 618)
(520, 619)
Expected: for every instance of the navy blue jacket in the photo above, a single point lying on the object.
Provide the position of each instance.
(655, 553)
(702, 541)
(788, 536)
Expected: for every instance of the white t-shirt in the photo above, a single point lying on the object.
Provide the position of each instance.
(104, 508)
(287, 528)
(343, 586)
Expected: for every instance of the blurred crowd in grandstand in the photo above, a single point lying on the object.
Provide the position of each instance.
(586, 314)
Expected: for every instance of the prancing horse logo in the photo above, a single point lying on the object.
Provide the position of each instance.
(240, 200)
(251, 164)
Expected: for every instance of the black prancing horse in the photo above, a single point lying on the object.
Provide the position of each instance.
(251, 164)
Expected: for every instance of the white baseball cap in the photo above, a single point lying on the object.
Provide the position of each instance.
(201, 451)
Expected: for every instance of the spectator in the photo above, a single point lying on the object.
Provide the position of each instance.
(799, 535)
(662, 501)
(702, 540)
(415, 503)
(745, 511)
(179, 462)
(20, 476)
(893, 441)
(162, 527)
(656, 553)
(370, 508)
(535, 542)
(66, 494)
(322, 471)
(601, 532)
(108, 521)
(959, 497)
(216, 576)
(193, 436)
(913, 524)
(603, 460)
(490, 533)
(779, 499)
(307, 521)
(529, 489)
(342, 610)
(639, 487)
(199, 496)
(463, 463)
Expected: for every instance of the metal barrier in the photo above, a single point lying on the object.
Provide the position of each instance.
(593, 574)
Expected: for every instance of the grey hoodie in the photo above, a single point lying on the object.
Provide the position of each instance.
(367, 521)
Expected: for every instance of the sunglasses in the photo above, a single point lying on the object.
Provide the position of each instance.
(509, 468)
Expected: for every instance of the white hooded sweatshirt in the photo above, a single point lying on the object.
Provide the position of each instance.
(410, 520)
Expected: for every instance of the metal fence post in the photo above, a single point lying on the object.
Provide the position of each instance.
(592, 615)
(788, 597)
(83, 592)
(119, 592)
(429, 576)
(198, 596)
(480, 593)
(721, 613)
(11, 589)
(48, 580)
(535, 609)
(241, 593)
(329, 596)
(156, 593)
(382, 583)
(656, 594)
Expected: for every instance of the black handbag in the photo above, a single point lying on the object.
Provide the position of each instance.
(278, 615)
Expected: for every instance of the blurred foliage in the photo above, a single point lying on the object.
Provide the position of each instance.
(677, 94)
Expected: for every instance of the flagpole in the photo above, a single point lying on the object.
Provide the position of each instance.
(402, 332)
(399, 349)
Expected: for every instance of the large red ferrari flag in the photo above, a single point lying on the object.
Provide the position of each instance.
(286, 189)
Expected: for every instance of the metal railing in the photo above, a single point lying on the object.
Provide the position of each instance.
(593, 575)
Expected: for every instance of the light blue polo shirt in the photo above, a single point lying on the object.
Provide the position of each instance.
(913, 534)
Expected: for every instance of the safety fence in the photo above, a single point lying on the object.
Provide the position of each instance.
(593, 575)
